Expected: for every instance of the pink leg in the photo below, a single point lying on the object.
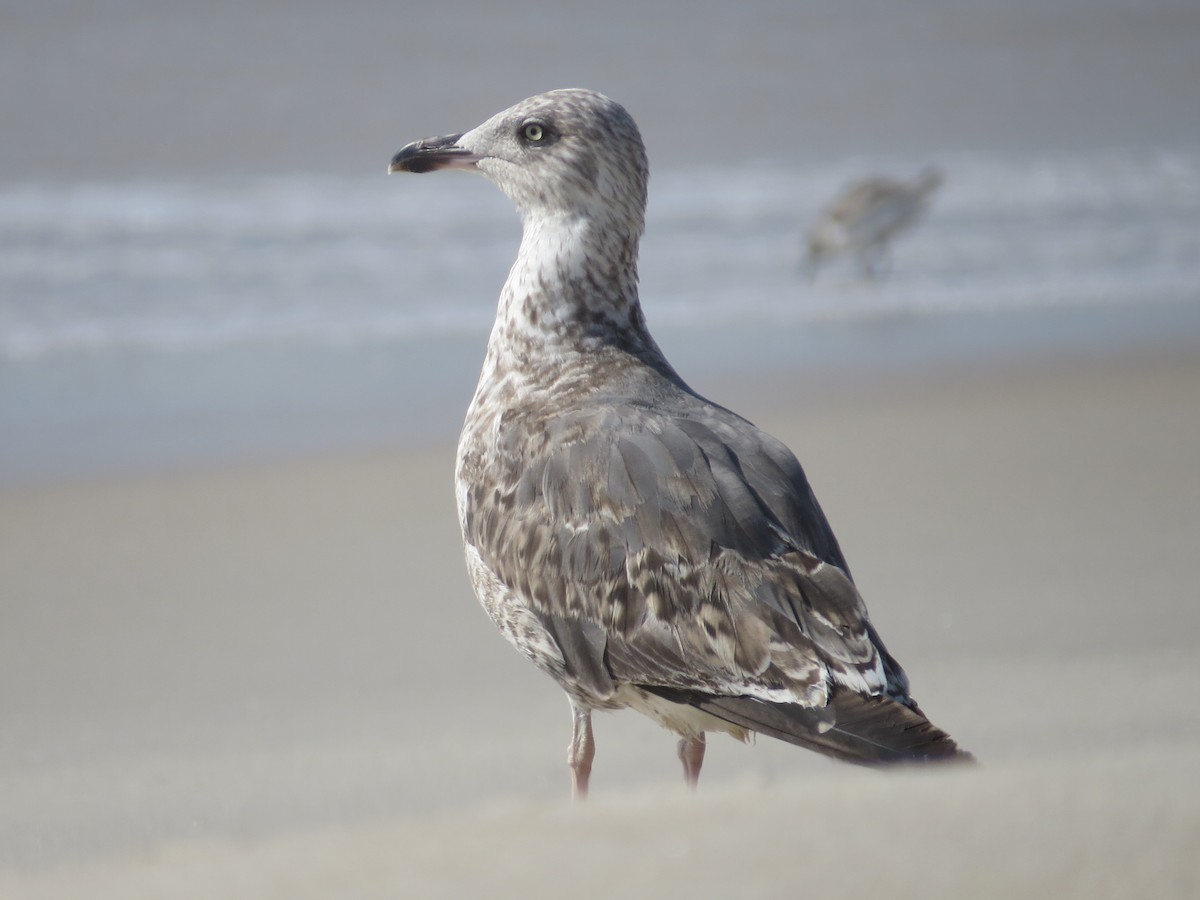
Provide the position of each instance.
(691, 754)
(581, 751)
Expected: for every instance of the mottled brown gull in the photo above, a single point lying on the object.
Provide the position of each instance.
(866, 216)
(644, 547)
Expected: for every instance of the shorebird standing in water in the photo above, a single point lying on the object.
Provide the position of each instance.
(642, 546)
(864, 219)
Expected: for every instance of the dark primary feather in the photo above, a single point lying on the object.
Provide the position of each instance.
(853, 727)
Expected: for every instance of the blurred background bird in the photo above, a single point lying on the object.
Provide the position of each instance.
(864, 219)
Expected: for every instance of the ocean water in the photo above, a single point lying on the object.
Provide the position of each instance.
(158, 324)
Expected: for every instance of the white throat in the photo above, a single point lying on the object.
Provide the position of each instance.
(574, 276)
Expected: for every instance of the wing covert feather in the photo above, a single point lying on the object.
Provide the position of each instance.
(695, 546)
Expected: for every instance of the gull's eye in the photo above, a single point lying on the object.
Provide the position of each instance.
(535, 132)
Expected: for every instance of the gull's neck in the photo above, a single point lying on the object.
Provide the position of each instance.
(572, 290)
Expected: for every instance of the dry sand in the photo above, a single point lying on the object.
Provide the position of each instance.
(275, 683)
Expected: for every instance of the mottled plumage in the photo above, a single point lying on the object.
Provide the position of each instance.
(866, 216)
(644, 547)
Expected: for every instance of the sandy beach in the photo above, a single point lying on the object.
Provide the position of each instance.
(274, 681)
(239, 655)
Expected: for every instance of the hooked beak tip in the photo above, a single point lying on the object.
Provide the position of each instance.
(431, 154)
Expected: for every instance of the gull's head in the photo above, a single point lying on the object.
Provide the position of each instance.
(570, 152)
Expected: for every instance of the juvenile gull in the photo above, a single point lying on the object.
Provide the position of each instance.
(866, 216)
(644, 547)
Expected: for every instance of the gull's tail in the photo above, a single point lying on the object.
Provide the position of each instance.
(852, 727)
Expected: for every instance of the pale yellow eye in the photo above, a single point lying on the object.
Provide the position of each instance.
(534, 132)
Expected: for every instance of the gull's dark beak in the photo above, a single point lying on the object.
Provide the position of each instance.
(431, 154)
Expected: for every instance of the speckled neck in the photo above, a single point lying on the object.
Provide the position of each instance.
(572, 290)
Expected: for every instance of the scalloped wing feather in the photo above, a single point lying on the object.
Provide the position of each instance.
(690, 544)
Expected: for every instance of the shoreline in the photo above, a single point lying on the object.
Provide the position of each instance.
(103, 416)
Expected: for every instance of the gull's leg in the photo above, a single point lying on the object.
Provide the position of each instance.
(581, 751)
(691, 754)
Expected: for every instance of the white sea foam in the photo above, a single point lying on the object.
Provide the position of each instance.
(175, 265)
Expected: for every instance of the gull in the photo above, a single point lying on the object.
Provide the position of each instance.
(644, 547)
(865, 218)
